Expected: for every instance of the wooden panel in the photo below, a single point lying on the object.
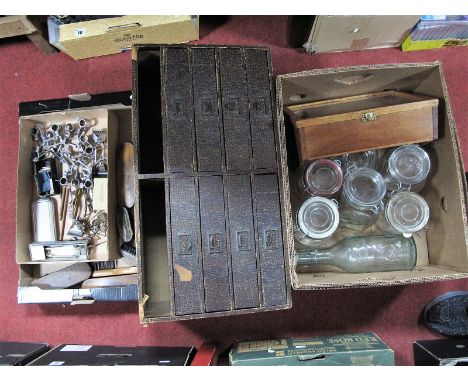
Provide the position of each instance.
(15, 26)
(354, 136)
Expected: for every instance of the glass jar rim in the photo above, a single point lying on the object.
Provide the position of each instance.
(326, 204)
(395, 173)
(414, 203)
(371, 159)
(334, 188)
(358, 201)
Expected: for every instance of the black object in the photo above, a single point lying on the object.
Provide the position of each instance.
(300, 28)
(234, 98)
(87, 355)
(444, 352)
(178, 97)
(45, 175)
(127, 250)
(71, 19)
(447, 314)
(186, 256)
(269, 239)
(20, 353)
(242, 241)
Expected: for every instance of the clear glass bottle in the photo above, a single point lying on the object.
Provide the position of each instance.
(358, 160)
(361, 198)
(315, 221)
(321, 177)
(405, 213)
(362, 254)
(406, 168)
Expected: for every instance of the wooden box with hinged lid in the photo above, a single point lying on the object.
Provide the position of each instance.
(361, 122)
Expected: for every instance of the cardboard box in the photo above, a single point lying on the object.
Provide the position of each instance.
(210, 229)
(348, 33)
(442, 249)
(364, 349)
(20, 353)
(99, 37)
(444, 352)
(114, 107)
(434, 32)
(92, 355)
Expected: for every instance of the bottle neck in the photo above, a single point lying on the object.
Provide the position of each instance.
(307, 258)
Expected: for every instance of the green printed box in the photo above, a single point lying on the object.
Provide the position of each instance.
(362, 349)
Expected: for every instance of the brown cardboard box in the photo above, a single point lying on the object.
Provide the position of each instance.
(442, 250)
(112, 35)
(111, 109)
(346, 33)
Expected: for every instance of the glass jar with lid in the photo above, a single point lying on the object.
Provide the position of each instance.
(362, 197)
(321, 177)
(405, 213)
(358, 160)
(315, 221)
(406, 168)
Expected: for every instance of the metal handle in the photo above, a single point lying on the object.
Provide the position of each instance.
(369, 116)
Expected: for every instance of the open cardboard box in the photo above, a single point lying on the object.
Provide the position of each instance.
(442, 250)
(112, 111)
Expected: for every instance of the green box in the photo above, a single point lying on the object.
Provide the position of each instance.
(362, 349)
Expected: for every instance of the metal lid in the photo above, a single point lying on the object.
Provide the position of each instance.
(409, 164)
(364, 188)
(318, 217)
(407, 212)
(323, 177)
(362, 159)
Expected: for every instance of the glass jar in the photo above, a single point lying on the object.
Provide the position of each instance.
(405, 213)
(315, 221)
(406, 168)
(358, 160)
(321, 177)
(361, 199)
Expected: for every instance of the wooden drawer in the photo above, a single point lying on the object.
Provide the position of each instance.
(358, 123)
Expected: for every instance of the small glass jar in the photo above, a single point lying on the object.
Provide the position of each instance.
(405, 213)
(406, 168)
(361, 199)
(316, 220)
(358, 160)
(321, 177)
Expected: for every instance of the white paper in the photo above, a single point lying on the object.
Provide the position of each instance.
(76, 348)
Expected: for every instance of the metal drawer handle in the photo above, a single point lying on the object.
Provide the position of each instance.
(369, 116)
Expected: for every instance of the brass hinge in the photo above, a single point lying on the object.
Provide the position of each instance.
(369, 116)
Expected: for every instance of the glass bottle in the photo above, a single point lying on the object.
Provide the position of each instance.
(361, 198)
(358, 160)
(321, 177)
(315, 221)
(405, 213)
(406, 168)
(362, 254)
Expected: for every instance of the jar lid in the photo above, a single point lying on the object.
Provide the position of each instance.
(409, 164)
(318, 217)
(407, 212)
(362, 159)
(323, 177)
(364, 188)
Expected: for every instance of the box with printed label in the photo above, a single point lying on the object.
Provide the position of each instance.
(364, 349)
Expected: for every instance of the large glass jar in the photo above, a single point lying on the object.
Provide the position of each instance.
(315, 221)
(361, 198)
(358, 160)
(321, 177)
(406, 168)
(405, 213)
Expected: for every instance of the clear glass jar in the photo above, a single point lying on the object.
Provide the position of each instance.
(315, 221)
(321, 177)
(358, 160)
(406, 168)
(405, 213)
(361, 198)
